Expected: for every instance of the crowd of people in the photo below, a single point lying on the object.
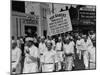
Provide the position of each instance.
(34, 54)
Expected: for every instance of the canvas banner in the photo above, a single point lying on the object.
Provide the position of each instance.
(59, 23)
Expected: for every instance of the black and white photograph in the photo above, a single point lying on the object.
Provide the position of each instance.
(52, 37)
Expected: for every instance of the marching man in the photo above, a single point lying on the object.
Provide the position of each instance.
(69, 53)
(31, 57)
(85, 50)
(16, 57)
(92, 61)
(92, 52)
(79, 46)
(42, 50)
(49, 59)
(59, 52)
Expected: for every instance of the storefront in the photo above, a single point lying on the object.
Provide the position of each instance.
(87, 18)
(24, 24)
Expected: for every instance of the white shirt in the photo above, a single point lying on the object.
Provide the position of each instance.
(42, 47)
(58, 46)
(18, 43)
(89, 43)
(69, 48)
(79, 44)
(92, 36)
(16, 54)
(33, 51)
(92, 55)
(53, 43)
(49, 56)
(86, 45)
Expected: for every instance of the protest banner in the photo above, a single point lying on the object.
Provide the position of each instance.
(59, 23)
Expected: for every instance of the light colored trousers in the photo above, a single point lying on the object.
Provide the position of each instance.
(30, 68)
(59, 59)
(92, 65)
(47, 67)
(69, 63)
(17, 68)
(86, 59)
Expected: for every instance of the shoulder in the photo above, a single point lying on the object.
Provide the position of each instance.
(72, 42)
(39, 43)
(18, 49)
(34, 47)
(52, 52)
(78, 42)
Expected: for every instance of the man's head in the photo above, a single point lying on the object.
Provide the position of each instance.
(67, 40)
(42, 39)
(59, 39)
(14, 44)
(49, 45)
(79, 37)
(85, 37)
(29, 41)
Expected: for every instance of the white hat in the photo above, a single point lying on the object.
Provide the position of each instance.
(42, 37)
(29, 39)
(83, 35)
(12, 41)
(48, 41)
(66, 38)
(59, 38)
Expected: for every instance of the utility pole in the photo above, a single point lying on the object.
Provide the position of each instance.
(52, 8)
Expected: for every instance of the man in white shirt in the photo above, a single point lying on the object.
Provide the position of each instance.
(42, 46)
(68, 47)
(86, 46)
(16, 58)
(31, 57)
(53, 43)
(79, 46)
(92, 54)
(92, 61)
(59, 52)
(49, 58)
(42, 50)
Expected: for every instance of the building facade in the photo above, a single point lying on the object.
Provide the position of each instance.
(23, 24)
(41, 10)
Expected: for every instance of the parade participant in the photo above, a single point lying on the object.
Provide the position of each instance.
(36, 42)
(31, 57)
(49, 58)
(59, 52)
(92, 61)
(16, 58)
(68, 47)
(18, 42)
(91, 51)
(92, 34)
(22, 45)
(21, 40)
(42, 49)
(53, 43)
(78, 46)
(84, 51)
(42, 45)
(12, 39)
